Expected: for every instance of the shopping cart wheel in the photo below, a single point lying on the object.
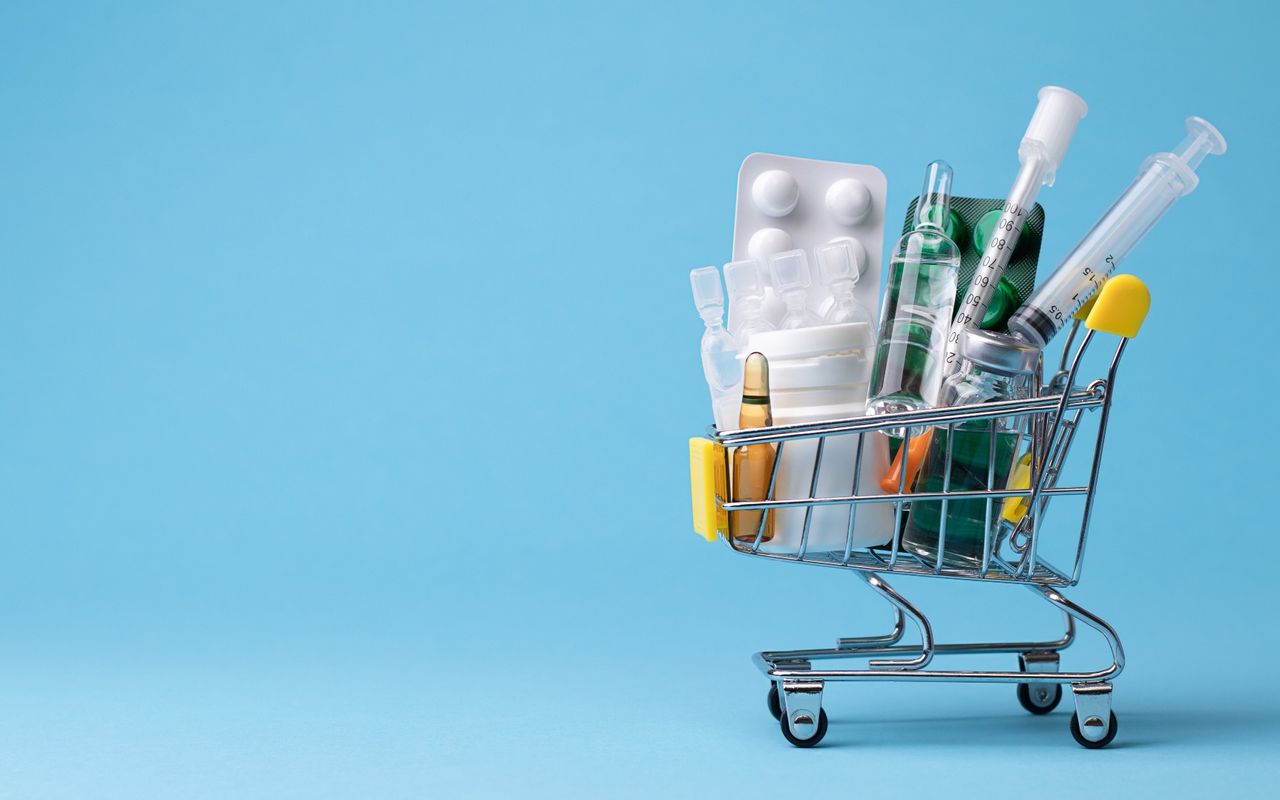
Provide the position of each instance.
(1092, 745)
(812, 740)
(1039, 698)
(775, 705)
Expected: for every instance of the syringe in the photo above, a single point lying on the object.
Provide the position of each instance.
(1162, 179)
(1043, 145)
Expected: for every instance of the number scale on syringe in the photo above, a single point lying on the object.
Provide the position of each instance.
(1040, 152)
(1162, 179)
(995, 259)
(1087, 282)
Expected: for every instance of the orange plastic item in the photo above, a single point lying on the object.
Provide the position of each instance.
(915, 457)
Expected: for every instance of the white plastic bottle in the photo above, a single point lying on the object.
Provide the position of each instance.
(816, 374)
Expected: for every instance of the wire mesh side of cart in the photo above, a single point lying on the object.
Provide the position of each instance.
(1010, 552)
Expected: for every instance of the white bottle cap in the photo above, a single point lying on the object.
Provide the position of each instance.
(1052, 126)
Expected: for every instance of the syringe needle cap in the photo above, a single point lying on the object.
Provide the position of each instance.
(1053, 124)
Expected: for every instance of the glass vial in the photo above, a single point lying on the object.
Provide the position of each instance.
(993, 367)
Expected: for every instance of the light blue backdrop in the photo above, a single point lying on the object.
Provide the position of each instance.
(348, 361)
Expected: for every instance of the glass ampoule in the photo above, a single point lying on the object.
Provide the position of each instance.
(918, 302)
(753, 463)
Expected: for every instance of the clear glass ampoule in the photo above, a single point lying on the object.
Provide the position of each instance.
(918, 303)
(753, 464)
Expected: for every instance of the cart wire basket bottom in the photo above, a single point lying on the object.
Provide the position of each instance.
(1016, 542)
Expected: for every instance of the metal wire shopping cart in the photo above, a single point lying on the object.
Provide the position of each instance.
(1012, 550)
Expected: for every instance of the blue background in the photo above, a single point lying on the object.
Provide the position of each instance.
(348, 361)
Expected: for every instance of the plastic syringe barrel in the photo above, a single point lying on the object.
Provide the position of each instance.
(1163, 178)
(1058, 112)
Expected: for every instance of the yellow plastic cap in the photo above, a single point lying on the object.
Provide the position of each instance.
(709, 485)
(1121, 307)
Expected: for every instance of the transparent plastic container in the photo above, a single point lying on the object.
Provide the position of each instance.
(791, 279)
(840, 264)
(720, 365)
(746, 281)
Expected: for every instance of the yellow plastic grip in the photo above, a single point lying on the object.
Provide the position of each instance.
(1015, 508)
(1121, 307)
(709, 485)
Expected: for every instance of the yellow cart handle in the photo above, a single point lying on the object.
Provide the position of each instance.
(1120, 307)
(709, 484)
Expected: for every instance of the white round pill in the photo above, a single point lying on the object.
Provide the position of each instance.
(775, 192)
(768, 241)
(848, 201)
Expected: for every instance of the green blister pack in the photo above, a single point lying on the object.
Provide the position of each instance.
(970, 225)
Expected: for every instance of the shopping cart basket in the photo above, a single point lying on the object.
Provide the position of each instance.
(1012, 550)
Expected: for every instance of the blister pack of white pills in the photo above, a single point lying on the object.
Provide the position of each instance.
(787, 203)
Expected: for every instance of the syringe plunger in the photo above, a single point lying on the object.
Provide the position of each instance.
(1164, 178)
(1054, 122)
(1202, 140)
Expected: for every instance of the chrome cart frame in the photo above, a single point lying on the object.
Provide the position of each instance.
(1011, 554)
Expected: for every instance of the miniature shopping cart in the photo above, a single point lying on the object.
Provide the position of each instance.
(1013, 550)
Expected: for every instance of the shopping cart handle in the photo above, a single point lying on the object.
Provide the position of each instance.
(1121, 306)
(708, 481)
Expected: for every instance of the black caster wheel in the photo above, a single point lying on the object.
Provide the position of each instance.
(1111, 733)
(1041, 698)
(775, 705)
(812, 740)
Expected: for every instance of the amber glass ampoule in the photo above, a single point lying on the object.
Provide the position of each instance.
(753, 463)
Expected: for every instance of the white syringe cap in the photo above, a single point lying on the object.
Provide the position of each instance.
(1052, 126)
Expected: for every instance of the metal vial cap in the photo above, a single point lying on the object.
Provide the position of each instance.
(997, 352)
